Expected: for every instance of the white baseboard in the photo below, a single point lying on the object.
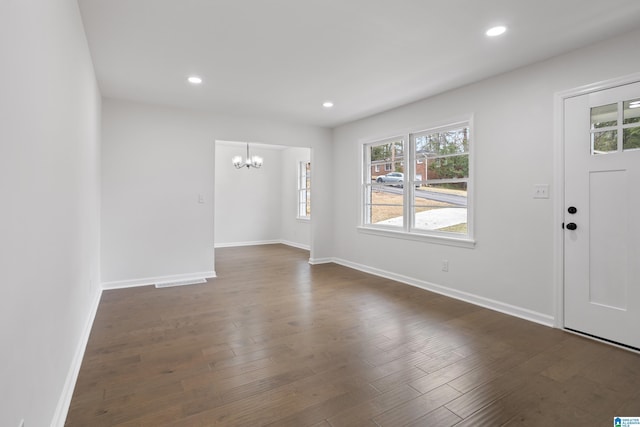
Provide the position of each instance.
(316, 261)
(264, 242)
(64, 402)
(158, 279)
(253, 243)
(509, 309)
(295, 245)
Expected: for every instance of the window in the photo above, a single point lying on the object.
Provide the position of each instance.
(615, 127)
(428, 199)
(377, 168)
(304, 190)
(382, 204)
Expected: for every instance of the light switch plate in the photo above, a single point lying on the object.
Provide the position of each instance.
(541, 191)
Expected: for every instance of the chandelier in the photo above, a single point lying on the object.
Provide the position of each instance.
(250, 161)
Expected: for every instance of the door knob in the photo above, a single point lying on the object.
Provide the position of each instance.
(571, 226)
(572, 210)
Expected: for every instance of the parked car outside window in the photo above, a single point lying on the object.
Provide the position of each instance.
(391, 177)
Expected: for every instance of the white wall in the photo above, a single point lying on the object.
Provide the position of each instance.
(294, 231)
(512, 262)
(156, 161)
(49, 223)
(247, 201)
(254, 206)
(155, 166)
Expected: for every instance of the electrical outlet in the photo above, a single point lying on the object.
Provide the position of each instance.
(445, 265)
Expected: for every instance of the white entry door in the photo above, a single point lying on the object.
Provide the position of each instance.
(602, 214)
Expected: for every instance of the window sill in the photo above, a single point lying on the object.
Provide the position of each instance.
(303, 218)
(428, 238)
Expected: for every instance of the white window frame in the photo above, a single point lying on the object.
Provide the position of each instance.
(377, 167)
(388, 167)
(369, 184)
(407, 231)
(619, 127)
(304, 189)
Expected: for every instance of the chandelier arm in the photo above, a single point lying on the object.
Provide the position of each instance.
(249, 162)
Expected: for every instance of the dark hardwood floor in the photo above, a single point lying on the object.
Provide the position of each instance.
(275, 341)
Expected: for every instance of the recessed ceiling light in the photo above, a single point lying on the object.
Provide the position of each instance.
(327, 104)
(194, 80)
(496, 31)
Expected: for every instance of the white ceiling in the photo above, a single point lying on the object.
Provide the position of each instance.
(281, 59)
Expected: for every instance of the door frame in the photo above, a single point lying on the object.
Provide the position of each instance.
(559, 179)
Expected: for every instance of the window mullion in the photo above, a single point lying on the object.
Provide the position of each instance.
(619, 127)
(410, 174)
(446, 156)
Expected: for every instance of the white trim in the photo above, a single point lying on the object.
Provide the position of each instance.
(60, 416)
(265, 242)
(558, 210)
(251, 243)
(318, 261)
(558, 186)
(119, 284)
(450, 125)
(296, 245)
(418, 236)
(186, 282)
(402, 132)
(512, 310)
(598, 86)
